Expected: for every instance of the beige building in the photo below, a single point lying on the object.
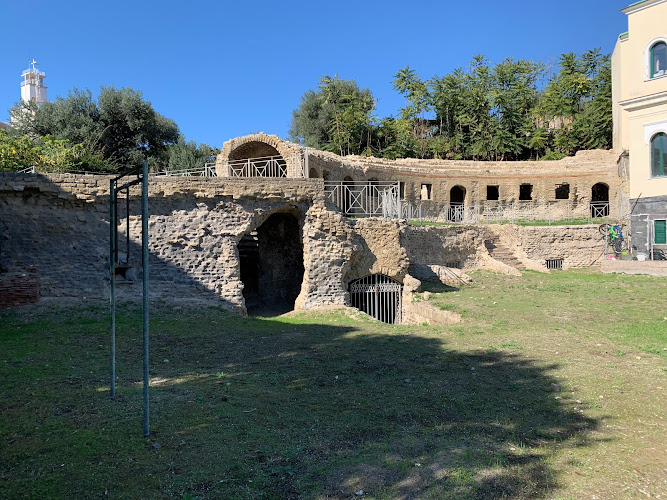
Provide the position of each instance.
(639, 83)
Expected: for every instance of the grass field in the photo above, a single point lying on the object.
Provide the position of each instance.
(325, 405)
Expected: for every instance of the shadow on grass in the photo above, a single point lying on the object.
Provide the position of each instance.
(288, 408)
(437, 287)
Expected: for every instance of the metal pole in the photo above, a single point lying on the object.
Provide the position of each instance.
(144, 262)
(127, 225)
(112, 283)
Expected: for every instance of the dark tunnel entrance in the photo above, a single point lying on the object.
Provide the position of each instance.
(271, 265)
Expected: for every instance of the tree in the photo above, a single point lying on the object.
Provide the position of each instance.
(419, 103)
(131, 129)
(336, 118)
(187, 155)
(121, 125)
(513, 94)
(48, 154)
(578, 101)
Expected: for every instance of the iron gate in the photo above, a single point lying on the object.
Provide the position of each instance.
(378, 296)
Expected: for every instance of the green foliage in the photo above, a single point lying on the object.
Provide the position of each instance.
(336, 118)
(48, 154)
(577, 100)
(487, 112)
(121, 125)
(187, 155)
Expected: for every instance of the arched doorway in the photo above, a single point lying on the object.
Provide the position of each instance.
(256, 159)
(378, 296)
(312, 174)
(271, 265)
(600, 200)
(457, 196)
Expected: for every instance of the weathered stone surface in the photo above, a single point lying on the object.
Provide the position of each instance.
(60, 223)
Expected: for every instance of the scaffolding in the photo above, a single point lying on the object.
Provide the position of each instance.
(118, 185)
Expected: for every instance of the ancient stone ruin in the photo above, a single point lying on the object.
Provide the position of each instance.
(273, 227)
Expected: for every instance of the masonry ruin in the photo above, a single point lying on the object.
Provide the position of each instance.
(274, 227)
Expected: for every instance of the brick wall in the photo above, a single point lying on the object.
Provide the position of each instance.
(19, 288)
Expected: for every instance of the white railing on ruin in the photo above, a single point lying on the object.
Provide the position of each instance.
(364, 199)
(268, 166)
(532, 210)
(599, 209)
(490, 212)
(208, 170)
(29, 170)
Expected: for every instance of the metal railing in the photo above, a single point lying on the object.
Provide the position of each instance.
(208, 170)
(268, 166)
(599, 209)
(488, 212)
(378, 296)
(364, 199)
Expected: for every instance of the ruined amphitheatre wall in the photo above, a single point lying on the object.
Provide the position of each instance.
(581, 172)
(56, 227)
(54, 239)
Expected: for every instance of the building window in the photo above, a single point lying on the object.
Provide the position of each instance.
(660, 232)
(563, 191)
(526, 192)
(658, 60)
(658, 154)
(492, 193)
(426, 192)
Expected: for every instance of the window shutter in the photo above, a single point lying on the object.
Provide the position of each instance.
(659, 232)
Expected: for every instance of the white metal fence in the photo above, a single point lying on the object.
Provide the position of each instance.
(364, 199)
(503, 212)
(268, 166)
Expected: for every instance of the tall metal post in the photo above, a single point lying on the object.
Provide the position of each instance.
(144, 261)
(112, 280)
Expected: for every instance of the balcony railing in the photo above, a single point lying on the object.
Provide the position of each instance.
(364, 199)
(268, 166)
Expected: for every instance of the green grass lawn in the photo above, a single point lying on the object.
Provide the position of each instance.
(323, 405)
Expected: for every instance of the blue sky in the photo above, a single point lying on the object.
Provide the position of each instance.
(223, 69)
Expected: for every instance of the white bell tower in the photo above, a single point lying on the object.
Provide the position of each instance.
(32, 86)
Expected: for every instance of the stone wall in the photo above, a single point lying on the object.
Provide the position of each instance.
(430, 248)
(18, 288)
(578, 246)
(431, 181)
(580, 172)
(60, 224)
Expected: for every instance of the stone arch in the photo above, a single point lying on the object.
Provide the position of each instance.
(457, 198)
(457, 194)
(253, 149)
(599, 200)
(600, 192)
(313, 174)
(271, 263)
(259, 146)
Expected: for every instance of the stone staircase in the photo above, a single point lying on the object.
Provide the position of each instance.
(502, 253)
